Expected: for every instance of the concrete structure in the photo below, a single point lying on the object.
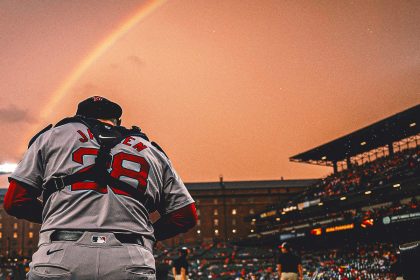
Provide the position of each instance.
(17, 237)
(222, 206)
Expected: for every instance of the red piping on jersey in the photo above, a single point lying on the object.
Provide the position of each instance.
(176, 222)
(21, 202)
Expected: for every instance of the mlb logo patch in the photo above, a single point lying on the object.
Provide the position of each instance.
(99, 239)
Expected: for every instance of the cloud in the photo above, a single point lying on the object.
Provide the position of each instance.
(14, 114)
(132, 60)
(135, 60)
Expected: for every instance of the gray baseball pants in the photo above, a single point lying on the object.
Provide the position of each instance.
(289, 276)
(93, 256)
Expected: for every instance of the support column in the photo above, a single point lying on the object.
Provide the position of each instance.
(391, 149)
(223, 187)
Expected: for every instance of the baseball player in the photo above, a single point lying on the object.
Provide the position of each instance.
(180, 265)
(99, 182)
(289, 265)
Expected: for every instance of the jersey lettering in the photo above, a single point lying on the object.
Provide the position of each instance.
(118, 170)
(78, 156)
(81, 152)
(90, 134)
(138, 147)
(84, 138)
(128, 140)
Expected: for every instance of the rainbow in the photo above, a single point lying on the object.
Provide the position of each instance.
(98, 51)
(142, 12)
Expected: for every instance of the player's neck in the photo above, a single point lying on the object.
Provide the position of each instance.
(107, 122)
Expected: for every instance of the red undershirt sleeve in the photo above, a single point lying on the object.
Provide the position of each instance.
(176, 222)
(21, 202)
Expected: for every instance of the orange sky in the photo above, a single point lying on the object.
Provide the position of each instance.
(225, 87)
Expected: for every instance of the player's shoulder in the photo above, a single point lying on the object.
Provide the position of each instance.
(67, 127)
(44, 134)
(54, 130)
(66, 130)
(138, 136)
(152, 147)
(39, 134)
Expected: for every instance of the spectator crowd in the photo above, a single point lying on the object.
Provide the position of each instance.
(381, 171)
(374, 261)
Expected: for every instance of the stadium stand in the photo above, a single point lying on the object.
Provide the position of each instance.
(364, 260)
(347, 226)
(365, 177)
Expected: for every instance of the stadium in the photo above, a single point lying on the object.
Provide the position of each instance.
(353, 224)
(253, 139)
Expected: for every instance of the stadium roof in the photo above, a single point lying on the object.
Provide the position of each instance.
(379, 134)
(252, 184)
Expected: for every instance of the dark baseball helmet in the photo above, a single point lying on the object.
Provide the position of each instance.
(183, 251)
(98, 107)
(285, 245)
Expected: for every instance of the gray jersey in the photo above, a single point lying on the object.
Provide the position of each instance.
(71, 148)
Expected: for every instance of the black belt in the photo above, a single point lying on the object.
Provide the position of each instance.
(64, 235)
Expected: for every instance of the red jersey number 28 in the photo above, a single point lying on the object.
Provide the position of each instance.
(117, 171)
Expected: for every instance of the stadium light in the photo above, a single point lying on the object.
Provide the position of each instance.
(412, 124)
(343, 198)
(234, 230)
(368, 192)
(283, 213)
(252, 230)
(324, 157)
(339, 228)
(396, 185)
(277, 219)
(321, 203)
(7, 167)
(198, 231)
(316, 231)
(363, 143)
(367, 223)
(254, 220)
